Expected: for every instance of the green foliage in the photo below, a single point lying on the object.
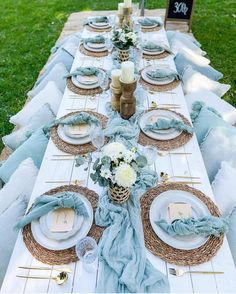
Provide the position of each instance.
(28, 29)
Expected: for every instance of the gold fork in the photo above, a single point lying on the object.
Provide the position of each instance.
(180, 272)
(46, 268)
(76, 182)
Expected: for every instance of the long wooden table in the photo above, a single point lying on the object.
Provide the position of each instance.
(65, 170)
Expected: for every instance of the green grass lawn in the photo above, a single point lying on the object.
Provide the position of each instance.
(28, 29)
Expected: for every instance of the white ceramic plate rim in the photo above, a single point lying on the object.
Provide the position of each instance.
(154, 82)
(76, 136)
(72, 141)
(157, 135)
(94, 49)
(65, 244)
(147, 52)
(83, 86)
(93, 25)
(160, 204)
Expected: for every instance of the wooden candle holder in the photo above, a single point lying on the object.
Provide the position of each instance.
(115, 98)
(127, 99)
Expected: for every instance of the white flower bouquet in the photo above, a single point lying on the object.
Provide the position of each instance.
(124, 38)
(118, 166)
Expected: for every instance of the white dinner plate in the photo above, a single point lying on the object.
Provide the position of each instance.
(159, 210)
(72, 141)
(150, 117)
(83, 85)
(96, 45)
(149, 27)
(45, 222)
(161, 81)
(64, 244)
(77, 131)
(101, 26)
(94, 49)
(151, 52)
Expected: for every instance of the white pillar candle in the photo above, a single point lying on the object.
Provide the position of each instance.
(127, 71)
(115, 78)
(120, 8)
(128, 3)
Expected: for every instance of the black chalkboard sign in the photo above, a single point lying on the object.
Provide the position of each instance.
(180, 10)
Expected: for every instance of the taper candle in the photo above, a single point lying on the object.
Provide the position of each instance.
(115, 78)
(127, 3)
(127, 71)
(120, 8)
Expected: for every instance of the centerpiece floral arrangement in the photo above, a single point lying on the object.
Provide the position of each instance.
(124, 38)
(118, 169)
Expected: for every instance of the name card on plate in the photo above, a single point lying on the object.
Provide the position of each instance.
(62, 220)
(179, 211)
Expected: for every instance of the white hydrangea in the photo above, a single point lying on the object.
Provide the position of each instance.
(125, 175)
(106, 173)
(114, 150)
(129, 156)
(122, 38)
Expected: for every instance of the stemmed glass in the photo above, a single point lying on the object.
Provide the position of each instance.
(109, 44)
(98, 139)
(112, 20)
(87, 252)
(103, 81)
(135, 9)
(138, 56)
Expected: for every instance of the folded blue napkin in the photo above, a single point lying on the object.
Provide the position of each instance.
(45, 203)
(205, 226)
(124, 267)
(161, 73)
(165, 124)
(82, 117)
(152, 46)
(95, 40)
(84, 71)
(146, 22)
(96, 19)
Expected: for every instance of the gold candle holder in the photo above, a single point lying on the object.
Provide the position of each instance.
(127, 99)
(115, 98)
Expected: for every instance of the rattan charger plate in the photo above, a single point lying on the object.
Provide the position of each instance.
(155, 29)
(77, 149)
(166, 145)
(159, 88)
(56, 257)
(89, 28)
(156, 56)
(172, 255)
(92, 53)
(81, 91)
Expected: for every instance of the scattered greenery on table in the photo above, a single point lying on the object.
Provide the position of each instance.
(28, 29)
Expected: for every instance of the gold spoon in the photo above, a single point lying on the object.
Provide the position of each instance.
(60, 279)
(164, 153)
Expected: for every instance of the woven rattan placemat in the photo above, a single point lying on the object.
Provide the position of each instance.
(81, 91)
(92, 53)
(165, 145)
(157, 56)
(54, 257)
(172, 255)
(159, 88)
(89, 28)
(77, 149)
(155, 29)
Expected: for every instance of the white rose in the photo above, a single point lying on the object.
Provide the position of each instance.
(125, 175)
(114, 150)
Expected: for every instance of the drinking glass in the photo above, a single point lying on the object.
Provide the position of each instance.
(135, 9)
(109, 44)
(103, 83)
(97, 138)
(150, 153)
(112, 20)
(138, 56)
(87, 252)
